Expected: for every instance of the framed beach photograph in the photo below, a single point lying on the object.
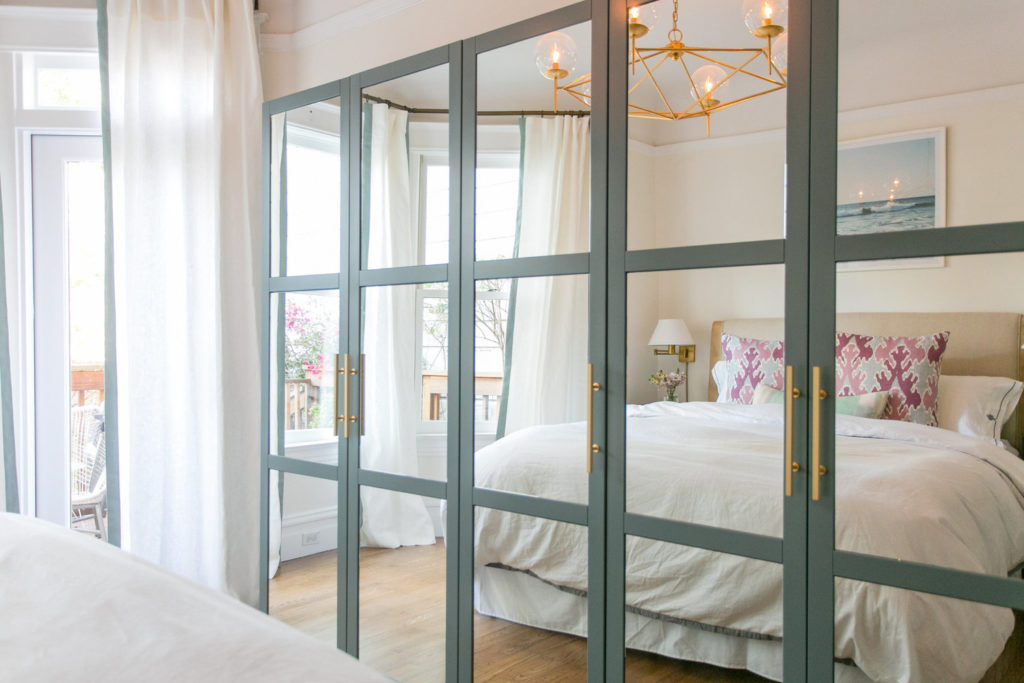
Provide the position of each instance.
(892, 183)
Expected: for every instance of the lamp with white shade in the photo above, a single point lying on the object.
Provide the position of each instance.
(675, 337)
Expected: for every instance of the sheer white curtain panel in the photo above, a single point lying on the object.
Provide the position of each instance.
(185, 99)
(547, 375)
(390, 519)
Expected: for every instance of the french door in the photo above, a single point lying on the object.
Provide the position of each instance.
(68, 267)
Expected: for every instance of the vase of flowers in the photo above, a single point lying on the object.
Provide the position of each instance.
(670, 381)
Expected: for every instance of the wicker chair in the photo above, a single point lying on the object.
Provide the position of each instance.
(88, 469)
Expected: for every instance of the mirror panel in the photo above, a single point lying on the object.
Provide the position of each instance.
(925, 637)
(705, 373)
(405, 173)
(705, 168)
(930, 104)
(303, 587)
(699, 615)
(402, 589)
(530, 404)
(403, 408)
(303, 345)
(533, 148)
(928, 432)
(530, 585)
(305, 190)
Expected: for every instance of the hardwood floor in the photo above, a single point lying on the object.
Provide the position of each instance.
(402, 627)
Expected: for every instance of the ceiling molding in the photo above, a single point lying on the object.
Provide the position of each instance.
(48, 13)
(47, 29)
(339, 24)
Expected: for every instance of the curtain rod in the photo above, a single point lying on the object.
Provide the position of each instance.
(534, 112)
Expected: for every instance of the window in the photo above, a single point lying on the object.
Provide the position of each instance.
(60, 81)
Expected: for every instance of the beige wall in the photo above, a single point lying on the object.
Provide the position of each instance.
(722, 191)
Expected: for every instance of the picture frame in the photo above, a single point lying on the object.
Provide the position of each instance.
(889, 183)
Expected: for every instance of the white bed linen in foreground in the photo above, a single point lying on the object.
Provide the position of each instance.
(905, 490)
(76, 609)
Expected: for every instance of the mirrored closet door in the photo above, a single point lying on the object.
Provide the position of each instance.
(398, 401)
(302, 335)
(594, 351)
(707, 299)
(916, 513)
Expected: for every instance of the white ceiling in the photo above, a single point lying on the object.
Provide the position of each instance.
(289, 16)
(890, 51)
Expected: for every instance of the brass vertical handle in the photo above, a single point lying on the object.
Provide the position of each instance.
(344, 418)
(592, 447)
(791, 393)
(362, 395)
(817, 469)
(337, 371)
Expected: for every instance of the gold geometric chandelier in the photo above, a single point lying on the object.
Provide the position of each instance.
(709, 71)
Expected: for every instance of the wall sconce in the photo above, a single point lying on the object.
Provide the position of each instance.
(674, 335)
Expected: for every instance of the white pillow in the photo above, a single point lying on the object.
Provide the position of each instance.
(721, 377)
(977, 406)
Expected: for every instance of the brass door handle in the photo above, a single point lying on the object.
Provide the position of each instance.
(817, 469)
(791, 393)
(347, 372)
(337, 371)
(592, 447)
(362, 400)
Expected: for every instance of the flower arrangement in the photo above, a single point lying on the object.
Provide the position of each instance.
(669, 380)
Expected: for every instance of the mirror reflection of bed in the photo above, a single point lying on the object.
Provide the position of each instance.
(942, 493)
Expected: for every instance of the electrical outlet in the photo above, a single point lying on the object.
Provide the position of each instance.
(311, 539)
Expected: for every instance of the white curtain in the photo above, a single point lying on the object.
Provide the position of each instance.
(185, 102)
(547, 373)
(389, 338)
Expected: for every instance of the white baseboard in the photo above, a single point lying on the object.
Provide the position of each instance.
(319, 530)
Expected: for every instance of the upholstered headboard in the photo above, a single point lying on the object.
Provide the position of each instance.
(989, 344)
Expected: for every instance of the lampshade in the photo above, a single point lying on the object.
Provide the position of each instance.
(671, 332)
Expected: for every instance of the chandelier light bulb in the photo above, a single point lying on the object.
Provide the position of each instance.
(780, 53)
(710, 83)
(641, 19)
(556, 55)
(765, 18)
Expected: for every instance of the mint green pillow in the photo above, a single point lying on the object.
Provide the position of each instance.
(866, 405)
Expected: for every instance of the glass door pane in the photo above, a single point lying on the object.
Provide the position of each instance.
(405, 172)
(303, 587)
(403, 406)
(530, 591)
(533, 147)
(402, 597)
(530, 398)
(303, 381)
(305, 190)
(707, 125)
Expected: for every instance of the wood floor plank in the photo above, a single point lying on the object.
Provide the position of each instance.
(402, 627)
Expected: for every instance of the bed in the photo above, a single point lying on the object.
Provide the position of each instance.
(965, 510)
(77, 609)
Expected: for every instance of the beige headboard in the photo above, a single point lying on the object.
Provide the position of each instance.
(989, 344)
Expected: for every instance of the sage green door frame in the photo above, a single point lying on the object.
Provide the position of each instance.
(825, 563)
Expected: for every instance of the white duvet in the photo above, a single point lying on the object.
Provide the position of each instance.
(75, 609)
(905, 491)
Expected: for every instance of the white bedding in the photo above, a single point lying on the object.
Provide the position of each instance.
(76, 609)
(917, 493)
